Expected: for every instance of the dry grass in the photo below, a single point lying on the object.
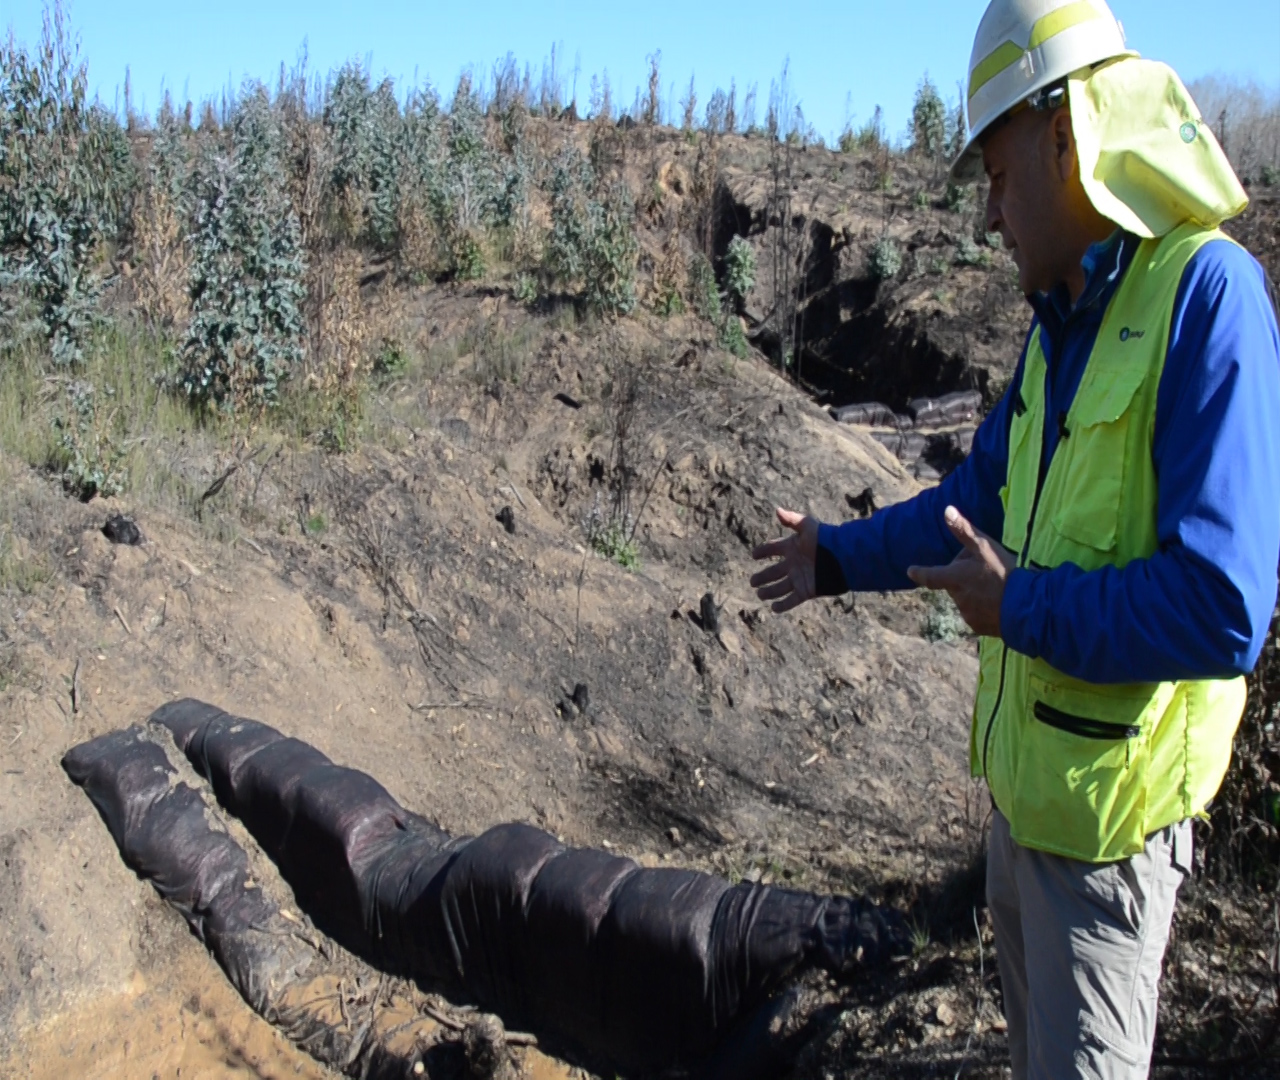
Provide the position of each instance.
(163, 261)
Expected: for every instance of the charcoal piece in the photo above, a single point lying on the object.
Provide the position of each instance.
(565, 399)
(709, 613)
(581, 697)
(122, 530)
(507, 518)
(864, 504)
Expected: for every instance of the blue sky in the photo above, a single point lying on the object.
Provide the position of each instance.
(851, 55)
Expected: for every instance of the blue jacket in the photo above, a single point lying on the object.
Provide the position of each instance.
(1200, 607)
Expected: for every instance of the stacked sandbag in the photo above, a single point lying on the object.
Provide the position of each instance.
(950, 410)
(871, 414)
(644, 969)
(931, 440)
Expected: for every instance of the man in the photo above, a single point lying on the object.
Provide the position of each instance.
(1114, 535)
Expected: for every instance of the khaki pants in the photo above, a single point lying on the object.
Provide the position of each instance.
(1079, 947)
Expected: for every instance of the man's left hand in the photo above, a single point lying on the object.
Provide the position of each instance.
(975, 578)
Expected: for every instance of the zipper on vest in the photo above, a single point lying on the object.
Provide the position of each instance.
(986, 739)
(1042, 473)
(1084, 726)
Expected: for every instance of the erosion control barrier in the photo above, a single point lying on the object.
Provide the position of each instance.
(637, 969)
(168, 836)
(962, 407)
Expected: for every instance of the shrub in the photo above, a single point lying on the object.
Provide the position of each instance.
(365, 128)
(526, 290)
(469, 185)
(160, 223)
(957, 131)
(968, 253)
(871, 136)
(740, 269)
(886, 259)
(247, 269)
(610, 540)
(928, 121)
(66, 185)
(703, 290)
(421, 165)
(958, 198)
(1270, 176)
(733, 338)
(86, 456)
(391, 361)
(717, 112)
(593, 239)
(944, 621)
(670, 277)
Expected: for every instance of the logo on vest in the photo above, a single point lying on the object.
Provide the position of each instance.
(1126, 334)
(1188, 131)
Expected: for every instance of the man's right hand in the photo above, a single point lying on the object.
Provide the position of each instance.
(792, 580)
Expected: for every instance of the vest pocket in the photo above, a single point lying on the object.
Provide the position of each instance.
(1081, 778)
(1084, 726)
(1095, 450)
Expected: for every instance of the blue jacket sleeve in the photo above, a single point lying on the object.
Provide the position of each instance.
(1200, 607)
(874, 554)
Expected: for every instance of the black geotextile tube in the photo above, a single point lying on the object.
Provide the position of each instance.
(163, 833)
(166, 834)
(644, 969)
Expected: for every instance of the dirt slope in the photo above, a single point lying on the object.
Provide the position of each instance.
(412, 637)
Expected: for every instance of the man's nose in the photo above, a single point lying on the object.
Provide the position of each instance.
(994, 218)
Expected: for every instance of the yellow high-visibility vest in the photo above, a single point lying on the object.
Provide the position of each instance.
(1085, 770)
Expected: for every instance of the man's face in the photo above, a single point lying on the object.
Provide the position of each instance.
(1025, 186)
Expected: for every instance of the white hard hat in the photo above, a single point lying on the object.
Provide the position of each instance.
(1023, 47)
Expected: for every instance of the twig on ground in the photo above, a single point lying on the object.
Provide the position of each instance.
(577, 617)
(977, 1004)
(547, 618)
(649, 491)
(123, 621)
(250, 543)
(217, 485)
(443, 1018)
(75, 688)
(514, 491)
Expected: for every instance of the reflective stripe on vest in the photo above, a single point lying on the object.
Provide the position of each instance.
(1080, 769)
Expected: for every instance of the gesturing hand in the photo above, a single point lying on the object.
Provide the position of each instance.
(790, 581)
(975, 578)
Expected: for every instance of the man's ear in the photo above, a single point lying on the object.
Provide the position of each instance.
(1064, 143)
